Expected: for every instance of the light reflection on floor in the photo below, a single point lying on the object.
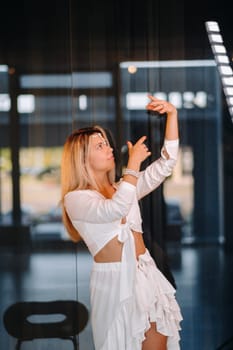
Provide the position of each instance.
(203, 276)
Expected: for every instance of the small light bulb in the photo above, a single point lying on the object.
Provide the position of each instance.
(132, 69)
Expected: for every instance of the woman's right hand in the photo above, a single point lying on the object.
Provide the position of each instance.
(160, 106)
(137, 153)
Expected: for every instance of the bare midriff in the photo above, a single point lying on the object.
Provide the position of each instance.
(112, 251)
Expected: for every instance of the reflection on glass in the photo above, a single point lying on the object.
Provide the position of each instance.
(178, 192)
(40, 188)
(5, 103)
(193, 87)
(59, 81)
(5, 186)
(5, 155)
(26, 103)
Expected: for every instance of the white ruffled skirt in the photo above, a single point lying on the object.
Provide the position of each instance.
(122, 325)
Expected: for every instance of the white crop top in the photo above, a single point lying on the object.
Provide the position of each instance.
(98, 219)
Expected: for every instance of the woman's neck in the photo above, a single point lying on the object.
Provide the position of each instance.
(102, 180)
(105, 187)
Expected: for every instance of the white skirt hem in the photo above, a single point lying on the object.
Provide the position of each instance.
(153, 301)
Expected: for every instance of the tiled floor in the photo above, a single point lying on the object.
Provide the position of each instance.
(204, 280)
(204, 277)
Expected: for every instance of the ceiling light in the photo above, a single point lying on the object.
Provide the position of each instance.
(222, 61)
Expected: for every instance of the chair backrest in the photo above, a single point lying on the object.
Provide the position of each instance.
(17, 323)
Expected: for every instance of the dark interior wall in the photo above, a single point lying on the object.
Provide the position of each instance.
(56, 35)
(35, 36)
(66, 36)
(125, 30)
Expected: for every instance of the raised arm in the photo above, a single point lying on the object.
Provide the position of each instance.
(157, 171)
(162, 107)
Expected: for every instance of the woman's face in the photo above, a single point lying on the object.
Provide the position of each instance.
(101, 157)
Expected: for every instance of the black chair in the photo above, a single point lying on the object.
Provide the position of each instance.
(227, 345)
(18, 324)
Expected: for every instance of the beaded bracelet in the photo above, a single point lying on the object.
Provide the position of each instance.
(132, 172)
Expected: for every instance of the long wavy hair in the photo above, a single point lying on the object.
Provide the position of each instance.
(76, 173)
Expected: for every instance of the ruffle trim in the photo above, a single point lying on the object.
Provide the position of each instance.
(155, 303)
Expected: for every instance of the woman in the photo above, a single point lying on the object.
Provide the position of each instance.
(132, 304)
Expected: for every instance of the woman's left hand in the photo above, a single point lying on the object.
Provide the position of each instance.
(160, 106)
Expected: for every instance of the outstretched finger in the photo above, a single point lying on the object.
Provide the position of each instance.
(141, 140)
(150, 97)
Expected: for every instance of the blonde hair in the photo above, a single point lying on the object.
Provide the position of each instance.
(76, 173)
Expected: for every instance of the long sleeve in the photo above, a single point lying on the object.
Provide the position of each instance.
(92, 207)
(157, 171)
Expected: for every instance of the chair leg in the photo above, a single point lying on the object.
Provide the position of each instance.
(18, 344)
(75, 343)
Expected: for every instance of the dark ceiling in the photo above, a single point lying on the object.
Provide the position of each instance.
(64, 35)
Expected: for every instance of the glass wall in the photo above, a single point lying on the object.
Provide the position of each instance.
(193, 87)
(38, 263)
(85, 65)
(5, 156)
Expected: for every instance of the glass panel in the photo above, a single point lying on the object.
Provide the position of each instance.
(5, 154)
(72, 66)
(44, 121)
(193, 87)
(38, 264)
